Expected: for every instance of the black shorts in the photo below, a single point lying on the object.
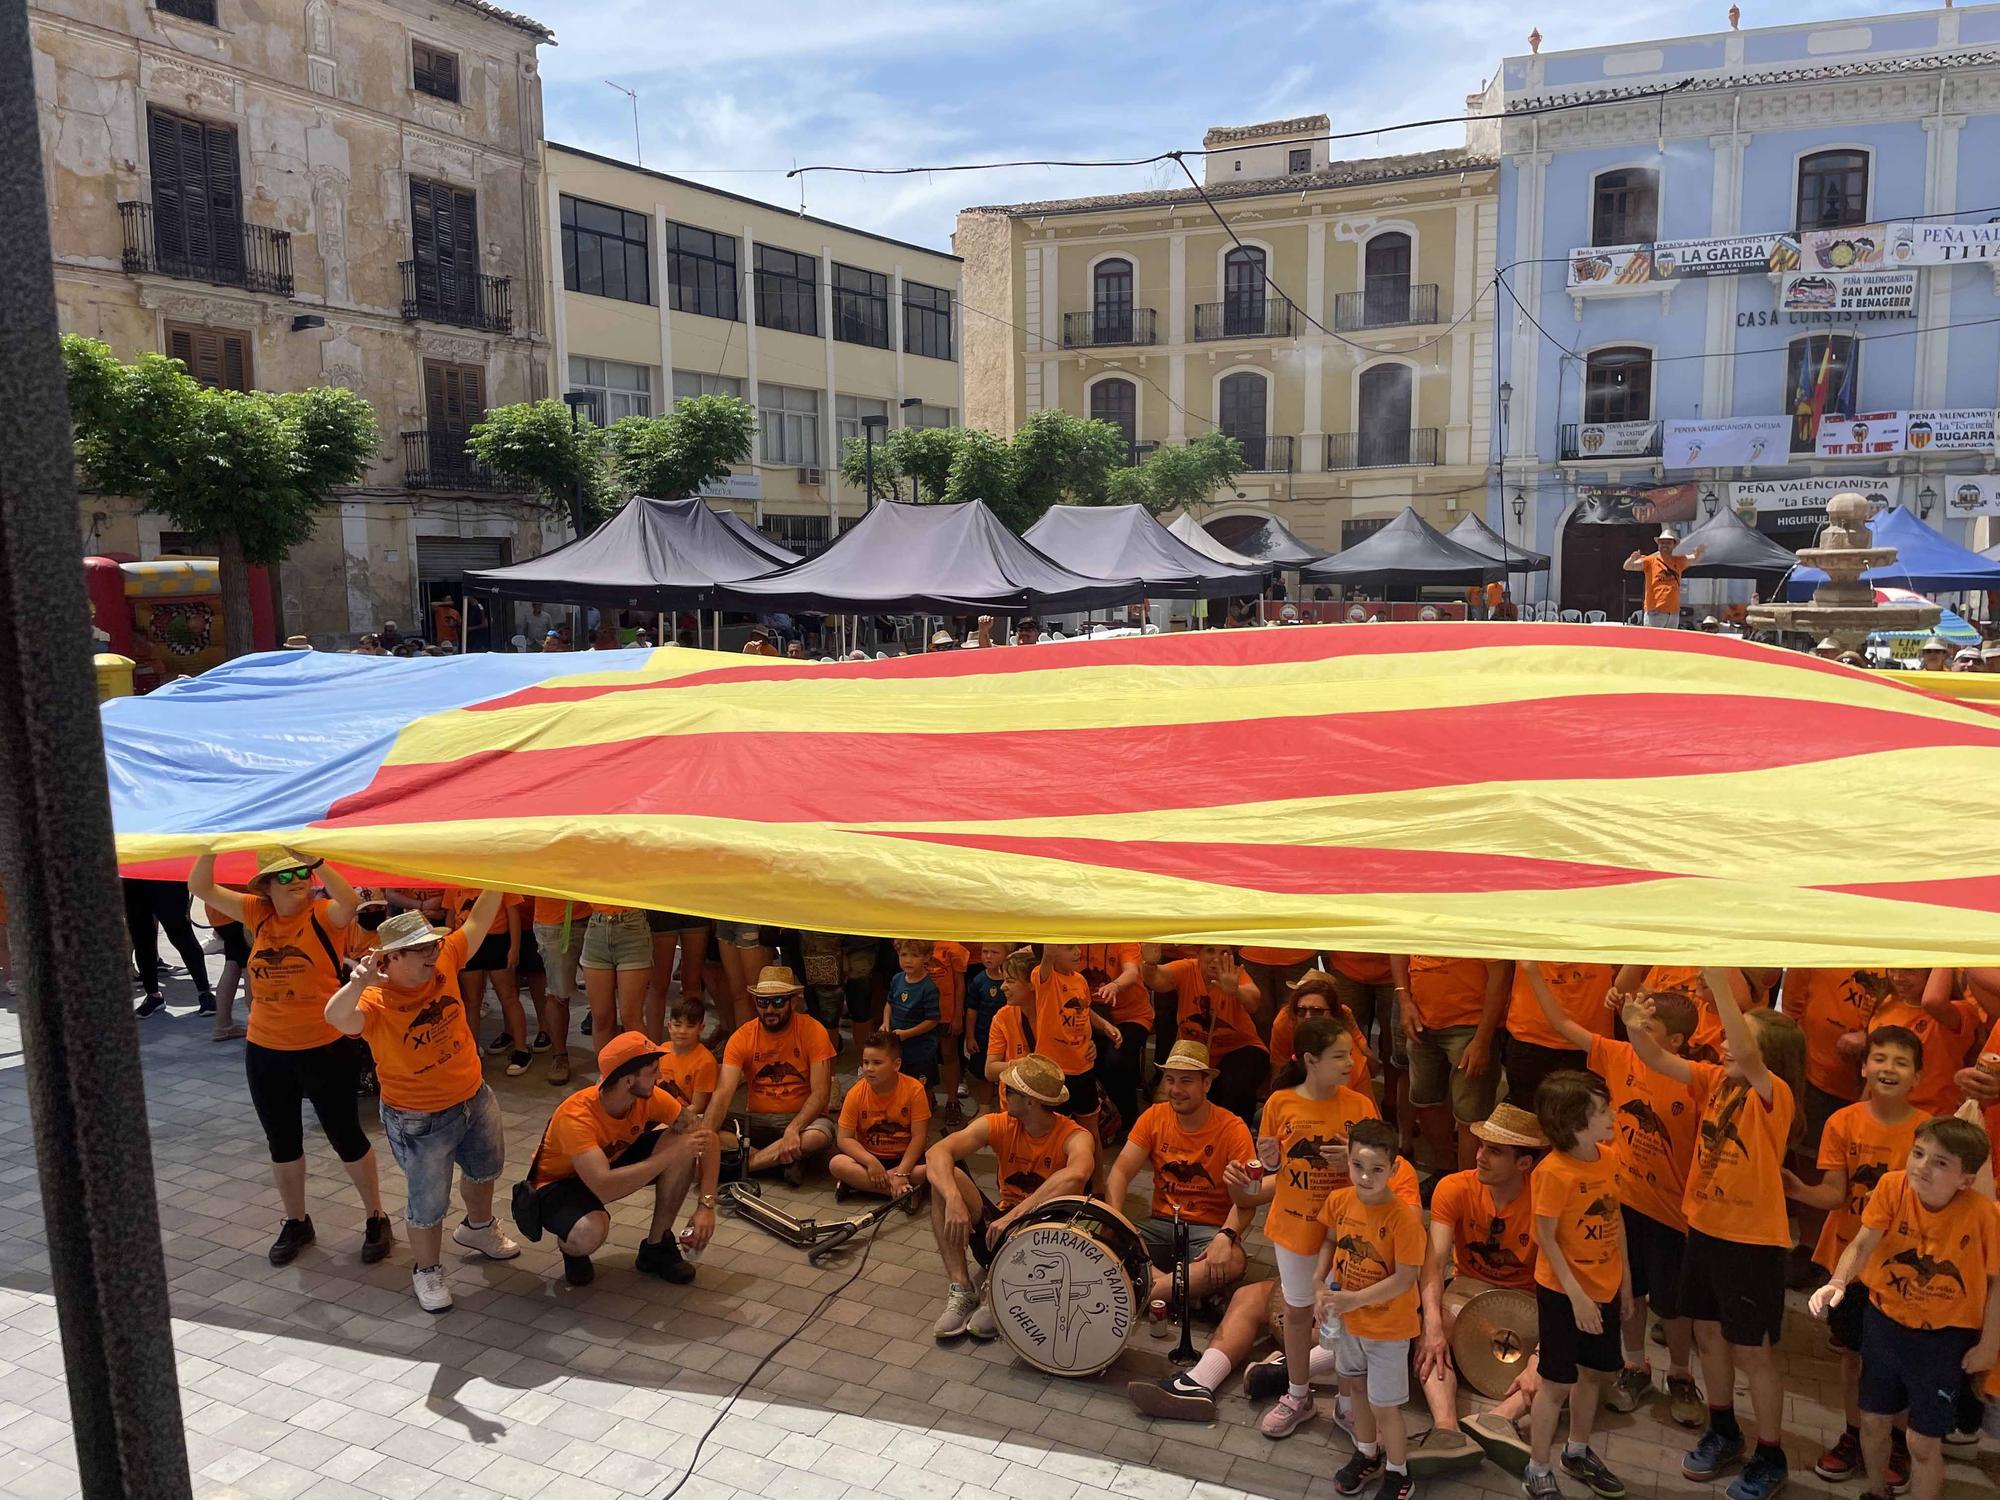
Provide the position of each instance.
(531, 953)
(1655, 1252)
(568, 1201)
(673, 921)
(1844, 1322)
(975, 1238)
(1528, 1063)
(283, 1081)
(491, 955)
(1564, 1348)
(1082, 1095)
(1742, 1287)
(235, 942)
(1916, 1368)
(1819, 1108)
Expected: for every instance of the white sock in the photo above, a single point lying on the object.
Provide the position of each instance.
(1574, 1449)
(1320, 1364)
(1299, 1392)
(1210, 1370)
(1402, 1468)
(1367, 1450)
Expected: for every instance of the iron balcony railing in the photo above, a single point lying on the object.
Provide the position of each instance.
(466, 299)
(1266, 455)
(1123, 325)
(1571, 447)
(1415, 448)
(1388, 305)
(1245, 318)
(254, 257)
(435, 458)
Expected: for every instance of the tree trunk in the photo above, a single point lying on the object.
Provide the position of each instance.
(237, 636)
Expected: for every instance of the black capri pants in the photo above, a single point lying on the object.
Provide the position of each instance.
(330, 1076)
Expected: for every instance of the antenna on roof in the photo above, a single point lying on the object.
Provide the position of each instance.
(638, 154)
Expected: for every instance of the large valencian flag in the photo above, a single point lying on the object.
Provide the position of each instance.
(1499, 789)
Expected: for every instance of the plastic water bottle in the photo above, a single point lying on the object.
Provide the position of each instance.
(1329, 1326)
(690, 1251)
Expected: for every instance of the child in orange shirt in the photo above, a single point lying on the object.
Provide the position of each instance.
(884, 1126)
(1929, 1250)
(1922, 1000)
(688, 1070)
(1581, 1285)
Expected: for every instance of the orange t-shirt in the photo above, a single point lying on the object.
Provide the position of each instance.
(778, 1065)
(690, 1073)
(1496, 1245)
(1062, 1020)
(291, 975)
(548, 912)
(1990, 1114)
(883, 1123)
(1582, 1197)
(1022, 1162)
(1694, 984)
(1212, 1014)
(1370, 1241)
(1579, 990)
(1362, 968)
(1301, 1126)
(1005, 1038)
(1187, 1164)
(1447, 991)
(581, 1121)
(1496, 595)
(1828, 1004)
(1932, 1266)
(1663, 582)
(1734, 1190)
(1657, 1124)
(459, 901)
(1284, 1037)
(1868, 1151)
(1134, 1003)
(946, 967)
(1945, 1047)
(1273, 958)
(426, 1057)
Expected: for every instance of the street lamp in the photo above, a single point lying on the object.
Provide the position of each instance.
(1506, 400)
(869, 426)
(1520, 507)
(1708, 503)
(576, 401)
(1926, 498)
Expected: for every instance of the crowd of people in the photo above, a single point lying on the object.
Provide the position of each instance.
(1650, 1152)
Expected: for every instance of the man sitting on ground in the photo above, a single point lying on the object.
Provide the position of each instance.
(1038, 1155)
(612, 1140)
(884, 1123)
(1188, 1142)
(788, 1060)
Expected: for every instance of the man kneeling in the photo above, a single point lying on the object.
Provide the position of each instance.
(610, 1141)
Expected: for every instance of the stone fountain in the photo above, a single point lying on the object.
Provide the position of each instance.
(1844, 607)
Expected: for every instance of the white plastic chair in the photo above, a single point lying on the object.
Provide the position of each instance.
(519, 643)
(1571, 617)
(1595, 617)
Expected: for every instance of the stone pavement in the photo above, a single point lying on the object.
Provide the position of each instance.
(324, 1380)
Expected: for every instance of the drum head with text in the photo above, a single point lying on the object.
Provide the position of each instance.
(1063, 1300)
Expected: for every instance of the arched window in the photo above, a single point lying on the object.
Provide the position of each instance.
(1821, 379)
(1116, 400)
(1625, 207)
(1111, 302)
(1243, 293)
(1618, 386)
(1833, 189)
(1385, 280)
(1240, 400)
(1386, 395)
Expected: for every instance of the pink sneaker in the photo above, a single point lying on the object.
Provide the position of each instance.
(1286, 1415)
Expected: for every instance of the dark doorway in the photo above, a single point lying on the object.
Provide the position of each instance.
(1593, 565)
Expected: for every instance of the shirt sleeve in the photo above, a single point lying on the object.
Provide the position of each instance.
(820, 1047)
(920, 1106)
(1833, 1142)
(665, 1108)
(1883, 1203)
(1550, 1187)
(1448, 1200)
(1146, 1132)
(1328, 1214)
(850, 1108)
(930, 1004)
(1237, 1143)
(736, 1051)
(1409, 1239)
(569, 1136)
(705, 1071)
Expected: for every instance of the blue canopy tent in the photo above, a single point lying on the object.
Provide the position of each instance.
(1926, 561)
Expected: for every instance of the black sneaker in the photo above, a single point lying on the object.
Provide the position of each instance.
(151, 1005)
(1587, 1468)
(663, 1258)
(577, 1269)
(205, 1006)
(1178, 1397)
(376, 1239)
(1357, 1471)
(293, 1236)
(542, 1042)
(842, 1192)
(586, 1026)
(501, 1043)
(1395, 1486)
(366, 1086)
(1266, 1380)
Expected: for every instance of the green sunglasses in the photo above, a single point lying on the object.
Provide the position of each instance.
(292, 877)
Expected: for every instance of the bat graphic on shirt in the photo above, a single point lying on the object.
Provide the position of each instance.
(1308, 1148)
(436, 1013)
(284, 953)
(1722, 1131)
(1601, 1208)
(1185, 1173)
(1025, 1182)
(1926, 1269)
(1358, 1250)
(1646, 1120)
(779, 1071)
(1867, 1176)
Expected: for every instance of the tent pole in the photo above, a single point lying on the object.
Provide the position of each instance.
(464, 619)
(659, 627)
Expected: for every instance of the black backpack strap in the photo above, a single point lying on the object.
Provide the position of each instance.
(341, 967)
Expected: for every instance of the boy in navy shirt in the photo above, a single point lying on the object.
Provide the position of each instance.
(915, 1010)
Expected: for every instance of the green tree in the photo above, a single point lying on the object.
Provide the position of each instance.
(984, 470)
(248, 469)
(673, 456)
(539, 443)
(856, 468)
(1060, 458)
(1189, 474)
(1129, 487)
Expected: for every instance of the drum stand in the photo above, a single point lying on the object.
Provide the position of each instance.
(1183, 1354)
(746, 1199)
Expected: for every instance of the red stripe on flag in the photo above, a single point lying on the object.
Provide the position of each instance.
(1974, 893)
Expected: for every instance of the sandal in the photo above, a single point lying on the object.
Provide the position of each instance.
(227, 1034)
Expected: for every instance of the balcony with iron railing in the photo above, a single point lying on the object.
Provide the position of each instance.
(1571, 447)
(1108, 326)
(1413, 448)
(1245, 318)
(435, 458)
(1266, 455)
(253, 257)
(1389, 305)
(465, 299)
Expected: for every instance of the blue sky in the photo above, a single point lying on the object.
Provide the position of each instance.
(736, 94)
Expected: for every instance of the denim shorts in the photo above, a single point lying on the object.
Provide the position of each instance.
(741, 934)
(617, 941)
(428, 1143)
(1435, 1078)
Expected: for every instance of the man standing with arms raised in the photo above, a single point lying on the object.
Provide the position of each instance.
(1663, 570)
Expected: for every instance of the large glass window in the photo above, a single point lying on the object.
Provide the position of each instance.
(621, 390)
(1116, 400)
(1833, 189)
(700, 383)
(1821, 380)
(1385, 280)
(1625, 207)
(1111, 302)
(1618, 386)
(1243, 292)
(788, 424)
(787, 290)
(606, 251)
(1240, 401)
(926, 320)
(860, 306)
(929, 416)
(702, 271)
(1386, 401)
(847, 414)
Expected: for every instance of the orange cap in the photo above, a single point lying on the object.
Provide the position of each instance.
(622, 1049)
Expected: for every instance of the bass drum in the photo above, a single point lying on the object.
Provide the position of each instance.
(1494, 1332)
(1067, 1285)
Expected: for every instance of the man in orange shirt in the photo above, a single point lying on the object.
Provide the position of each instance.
(1450, 1011)
(1663, 570)
(437, 1111)
(788, 1059)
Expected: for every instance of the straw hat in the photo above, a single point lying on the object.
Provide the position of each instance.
(1038, 1077)
(777, 980)
(1187, 1057)
(408, 929)
(1511, 1125)
(1313, 982)
(271, 861)
(1935, 643)
(297, 643)
(1668, 534)
(942, 638)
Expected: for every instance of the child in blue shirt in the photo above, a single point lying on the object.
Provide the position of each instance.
(983, 999)
(915, 1010)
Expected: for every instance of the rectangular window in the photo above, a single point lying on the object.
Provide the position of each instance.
(926, 320)
(1355, 531)
(434, 71)
(621, 390)
(217, 357)
(860, 306)
(189, 10)
(1300, 160)
(1821, 380)
(197, 197)
(606, 251)
(1833, 190)
(454, 397)
(929, 416)
(799, 533)
(701, 272)
(787, 291)
(788, 424)
(444, 243)
(847, 414)
(1625, 207)
(700, 383)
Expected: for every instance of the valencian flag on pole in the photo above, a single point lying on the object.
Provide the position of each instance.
(1498, 789)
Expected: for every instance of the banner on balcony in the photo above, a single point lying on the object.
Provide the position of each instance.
(1871, 434)
(1852, 292)
(1727, 443)
(1650, 505)
(1943, 244)
(1811, 492)
(1599, 266)
(1963, 431)
(1858, 247)
(1971, 494)
(1615, 439)
(1882, 433)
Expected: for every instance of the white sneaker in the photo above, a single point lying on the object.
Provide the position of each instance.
(490, 1241)
(982, 1324)
(959, 1302)
(433, 1296)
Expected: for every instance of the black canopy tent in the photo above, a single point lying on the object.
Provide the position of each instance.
(1265, 538)
(1733, 548)
(755, 540)
(930, 559)
(1124, 541)
(1476, 535)
(1408, 551)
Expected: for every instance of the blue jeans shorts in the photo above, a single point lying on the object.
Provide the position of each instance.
(427, 1144)
(617, 940)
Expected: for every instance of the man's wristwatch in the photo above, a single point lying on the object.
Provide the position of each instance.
(1234, 1238)
(708, 1200)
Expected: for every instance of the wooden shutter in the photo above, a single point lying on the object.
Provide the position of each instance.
(225, 196)
(163, 142)
(444, 241)
(454, 395)
(434, 72)
(197, 193)
(217, 357)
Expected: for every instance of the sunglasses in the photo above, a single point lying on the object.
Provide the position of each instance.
(771, 1002)
(427, 950)
(292, 877)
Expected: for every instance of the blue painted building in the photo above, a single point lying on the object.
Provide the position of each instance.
(1742, 230)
